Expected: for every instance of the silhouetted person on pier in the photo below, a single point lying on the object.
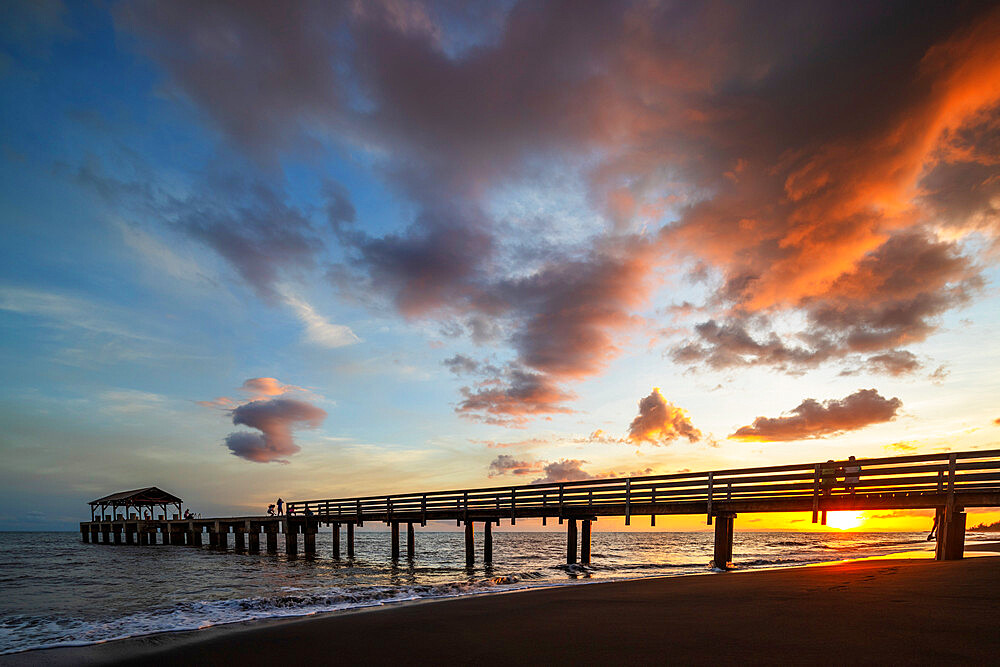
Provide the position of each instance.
(852, 474)
(270, 509)
(281, 506)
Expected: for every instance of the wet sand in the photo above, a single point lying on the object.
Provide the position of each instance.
(861, 612)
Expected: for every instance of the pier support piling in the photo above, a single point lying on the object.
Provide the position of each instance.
(309, 540)
(196, 534)
(291, 540)
(394, 530)
(335, 536)
(239, 540)
(585, 542)
(723, 554)
(253, 541)
(118, 535)
(950, 534)
(470, 547)
(84, 534)
(350, 540)
(488, 543)
(271, 532)
(411, 542)
(570, 541)
(128, 535)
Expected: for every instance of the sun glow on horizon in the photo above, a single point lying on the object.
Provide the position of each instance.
(844, 520)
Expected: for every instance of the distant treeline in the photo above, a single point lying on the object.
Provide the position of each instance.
(987, 527)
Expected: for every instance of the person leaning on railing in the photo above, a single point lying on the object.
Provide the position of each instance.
(828, 476)
(852, 474)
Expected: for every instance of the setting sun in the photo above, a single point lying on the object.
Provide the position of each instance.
(845, 520)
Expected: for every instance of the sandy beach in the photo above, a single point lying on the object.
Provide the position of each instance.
(891, 611)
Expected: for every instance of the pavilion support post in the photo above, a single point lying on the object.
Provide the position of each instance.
(394, 530)
(253, 539)
(350, 540)
(488, 542)
(411, 542)
(723, 554)
(570, 541)
(470, 546)
(585, 542)
(335, 536)
(271, 537)
(309, 540)
(291, 539)
(239, 539)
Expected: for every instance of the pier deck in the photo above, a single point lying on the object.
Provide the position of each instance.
(947, 483)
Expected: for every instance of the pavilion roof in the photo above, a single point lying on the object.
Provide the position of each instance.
(151, 495)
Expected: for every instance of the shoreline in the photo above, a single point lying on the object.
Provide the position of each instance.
(230, 641)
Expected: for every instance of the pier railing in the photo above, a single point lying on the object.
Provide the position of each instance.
(931, 479)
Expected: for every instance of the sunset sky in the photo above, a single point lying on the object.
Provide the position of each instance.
(310, 250)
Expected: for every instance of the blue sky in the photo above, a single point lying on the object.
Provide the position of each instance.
(449, 234)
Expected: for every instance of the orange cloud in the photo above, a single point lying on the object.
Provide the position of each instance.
(660, 422)
(812, 419)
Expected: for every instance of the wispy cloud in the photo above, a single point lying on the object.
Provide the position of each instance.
(319, 330)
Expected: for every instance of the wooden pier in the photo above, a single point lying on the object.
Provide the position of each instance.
(946, 483)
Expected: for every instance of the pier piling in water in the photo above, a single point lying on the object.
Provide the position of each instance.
(488, 542)
(309, 540)
(470, 546)
(570, 541)
(394, 529)
(291, 539)
(585, 542)
(723, 554)
(253, 541)
(271, 536)
(335, 537)
(411, 542)
(350, 540)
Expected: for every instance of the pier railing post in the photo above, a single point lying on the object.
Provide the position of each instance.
(470, 547)
(570, 541)
(585, 542)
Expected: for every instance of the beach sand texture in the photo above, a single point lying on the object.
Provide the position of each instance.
(863, 612)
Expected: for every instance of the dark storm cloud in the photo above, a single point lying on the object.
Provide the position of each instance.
(805, 176)
(812, 419)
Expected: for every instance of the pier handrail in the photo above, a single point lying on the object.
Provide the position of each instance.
(945, 473)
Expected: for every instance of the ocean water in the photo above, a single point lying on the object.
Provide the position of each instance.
(57, 591)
